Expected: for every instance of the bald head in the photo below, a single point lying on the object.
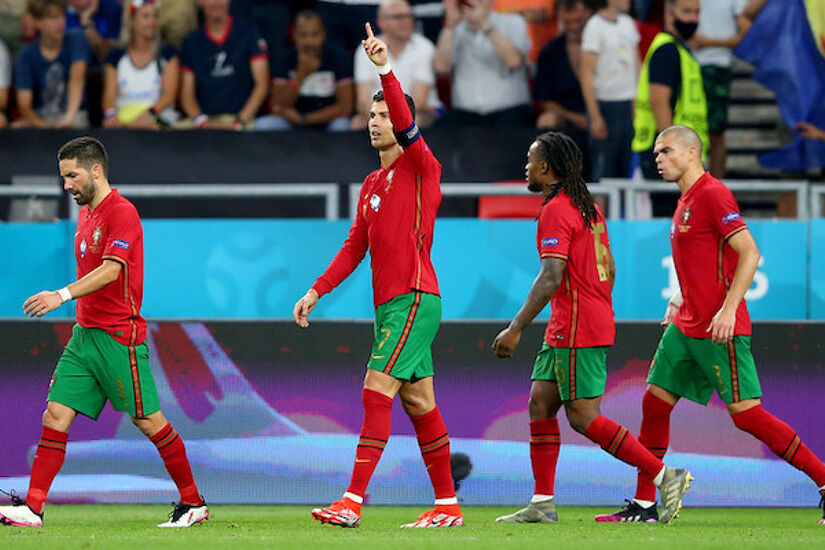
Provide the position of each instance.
(684, 136)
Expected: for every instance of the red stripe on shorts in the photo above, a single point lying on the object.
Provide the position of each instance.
(403, 340)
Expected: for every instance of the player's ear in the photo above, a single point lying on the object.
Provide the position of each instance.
(97, 171)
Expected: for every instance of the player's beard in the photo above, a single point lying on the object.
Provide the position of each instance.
(534, 186)
(86, 195)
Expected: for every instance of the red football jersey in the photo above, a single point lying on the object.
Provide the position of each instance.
(582, 307)
(706, 217)
(112, 231)
(396, 214)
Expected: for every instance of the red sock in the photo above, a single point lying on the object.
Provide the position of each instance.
(435, 449)
(619, 442)
(782, 440)
(48, 459)
(173, 452)
(375, 431)
(545, 443)
(655, 436)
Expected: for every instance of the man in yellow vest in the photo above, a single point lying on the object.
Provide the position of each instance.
(670, 90)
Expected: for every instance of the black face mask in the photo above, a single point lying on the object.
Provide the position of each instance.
(685, 29)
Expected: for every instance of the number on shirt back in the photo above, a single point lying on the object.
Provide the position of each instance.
(602, 252)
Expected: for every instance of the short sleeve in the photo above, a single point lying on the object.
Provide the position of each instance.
(167, 52)
(187, 54)
(113, 57)
(362, 67)
(590, 36)
(79, 49)
(24, 68)
(341, 66)
(5, 66)
(256, 44)
(665, 67)
(423, 70)
(280, 66)
(724, 212)
(519, 35)
(555, 231)
(123, 233)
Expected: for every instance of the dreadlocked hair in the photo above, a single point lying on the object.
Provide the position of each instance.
(565, 160)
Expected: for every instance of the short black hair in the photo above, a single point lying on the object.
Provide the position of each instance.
(570, 5)
(309, 15)
(87, 151)
(379, 96)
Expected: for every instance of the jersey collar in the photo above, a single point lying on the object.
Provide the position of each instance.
(219, 40)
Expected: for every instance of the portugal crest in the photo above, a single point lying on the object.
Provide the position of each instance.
(96, 234)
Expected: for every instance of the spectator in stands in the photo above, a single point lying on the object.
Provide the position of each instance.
(722, 26)
(141, 84)
(609, 72)
(542, 24)
(487, 55)
(5, 82)
(100, 22)
(344, 20)
(411, 56)
(670, 91)
(224, 71)
(312, 82)
(176, 19)
(50, 72)
(271, 17)
(11, 23)
(557, 87)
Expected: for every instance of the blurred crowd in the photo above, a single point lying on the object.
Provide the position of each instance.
(611, 73)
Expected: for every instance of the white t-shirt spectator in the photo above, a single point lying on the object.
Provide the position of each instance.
(482, 82)
(5, 66)
(615, 42)
(415, 66)
(718, 19)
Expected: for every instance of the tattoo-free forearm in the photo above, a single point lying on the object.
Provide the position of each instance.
(106, 273)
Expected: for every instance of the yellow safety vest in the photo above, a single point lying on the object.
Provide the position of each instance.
(691, 106)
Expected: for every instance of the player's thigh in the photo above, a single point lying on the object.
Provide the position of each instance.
(674, 367)
(730, 369)
(74, 383)
(125, 375)
(404, 331)
(545, 400)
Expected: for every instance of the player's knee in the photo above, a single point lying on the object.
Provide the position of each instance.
(54, 420)
(538, 408)
(416, 405)
(580, 417)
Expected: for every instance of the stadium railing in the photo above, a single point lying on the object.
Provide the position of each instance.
(329, 192)
(809, 197)
(817, 195)
(631, 188)
(492, 189)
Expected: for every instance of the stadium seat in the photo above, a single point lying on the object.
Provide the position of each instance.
(492, 207)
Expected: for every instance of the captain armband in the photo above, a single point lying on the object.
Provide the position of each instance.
(409, 136)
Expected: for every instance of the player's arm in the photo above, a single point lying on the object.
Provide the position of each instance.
(673, 306)
(260, 75)
(724, 322)
(404, 127)
(49, 300)
(77, 81)
(611, 266)
(544, 287)
(351, 254)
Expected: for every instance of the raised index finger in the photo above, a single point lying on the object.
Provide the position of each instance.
(369, 30)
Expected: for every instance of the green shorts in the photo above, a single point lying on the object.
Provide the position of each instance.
(404, 331)
(580, 373)
(716, 82)
(694, 368)
(95, 367)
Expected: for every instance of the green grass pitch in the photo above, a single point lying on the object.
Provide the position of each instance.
(285, 527)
